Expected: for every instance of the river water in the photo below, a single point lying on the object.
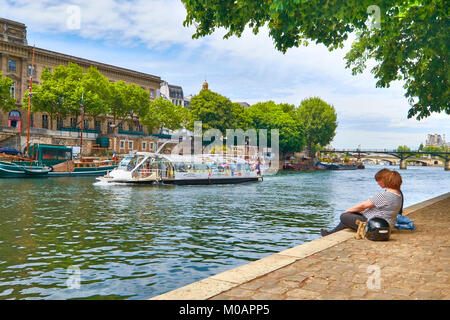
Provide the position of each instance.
(70, 238)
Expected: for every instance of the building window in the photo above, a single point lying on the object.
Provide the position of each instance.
(130, 144)
(120, 127)
(86, 125)
(152, 146)
(122, 144)
(110, 127)
(73, 122)
(152, 93)
(45, 121)
(34, 70)
(12, 65)
(140, 128)
(98, 126)
(144, 145)
(59, 123)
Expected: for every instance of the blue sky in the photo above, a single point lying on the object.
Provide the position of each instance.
(149, 36)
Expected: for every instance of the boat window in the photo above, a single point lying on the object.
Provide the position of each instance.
(125, 162)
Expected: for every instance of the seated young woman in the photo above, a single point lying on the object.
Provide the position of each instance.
(385, 205)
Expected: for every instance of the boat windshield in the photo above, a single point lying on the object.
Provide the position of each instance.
(125, 162)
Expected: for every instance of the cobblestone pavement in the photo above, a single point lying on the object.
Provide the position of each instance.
(412, 265)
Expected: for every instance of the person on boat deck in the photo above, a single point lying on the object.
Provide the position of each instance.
(386, 204)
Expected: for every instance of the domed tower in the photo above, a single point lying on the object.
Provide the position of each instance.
(205, 85)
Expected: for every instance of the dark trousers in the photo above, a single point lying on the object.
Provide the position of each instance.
(348, 220)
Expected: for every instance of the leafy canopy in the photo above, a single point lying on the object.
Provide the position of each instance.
(318, 121)
(409, 42)
(62, 90)
(7, 102)
(164, 114)
(269, 115)
(214, 110)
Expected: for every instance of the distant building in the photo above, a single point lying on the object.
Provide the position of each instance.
(205, 86)
(172, 93)
(187, 101)
(244, 104)
(436, 140)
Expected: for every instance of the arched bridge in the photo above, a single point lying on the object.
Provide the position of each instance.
(395, 157)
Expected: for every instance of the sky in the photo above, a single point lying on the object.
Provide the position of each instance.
(149, 36)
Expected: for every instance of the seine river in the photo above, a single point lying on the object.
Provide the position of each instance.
(135, 242)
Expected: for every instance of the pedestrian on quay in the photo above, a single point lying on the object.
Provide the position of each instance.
(386, 204)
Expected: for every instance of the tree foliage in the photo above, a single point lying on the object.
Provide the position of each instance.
(269, 115)
(214, 110)
(62, 91)
(410, 43)
(7, 102)
(164, 114)
(318, 121)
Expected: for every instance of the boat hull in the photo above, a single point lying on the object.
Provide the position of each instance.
(83, 172)
(185, 182)
(18, 172)
(212, 181)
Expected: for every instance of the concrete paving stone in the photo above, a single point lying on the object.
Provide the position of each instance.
(289, 284)
(358, 293)
(427, 295)
(223, 297)
(276, 288)
(379, 295)
(258, 283)
(398, 291)
(301, 294)
(266, 296)
(296, 278)
(239, 293)
(281, 273)
(315, 284)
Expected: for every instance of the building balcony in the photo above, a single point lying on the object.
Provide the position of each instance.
(133, 133)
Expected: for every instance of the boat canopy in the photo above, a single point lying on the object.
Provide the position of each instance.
(50, 154)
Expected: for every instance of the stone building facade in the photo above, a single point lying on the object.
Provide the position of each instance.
(16, 63)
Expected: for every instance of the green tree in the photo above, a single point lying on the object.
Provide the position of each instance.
(95, 90)
(7, 102)
(117, 100)
(403, 148)
(60, 91)
(214, 110)
(269, 115)
(164, 114)
(318, 120)
(409, 42)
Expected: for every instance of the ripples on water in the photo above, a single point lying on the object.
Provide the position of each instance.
(135, 242)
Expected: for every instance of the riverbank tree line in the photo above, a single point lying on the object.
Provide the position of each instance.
(64, 89)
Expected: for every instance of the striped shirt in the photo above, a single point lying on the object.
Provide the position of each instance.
(387, 206)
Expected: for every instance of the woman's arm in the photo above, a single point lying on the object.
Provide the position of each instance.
(360, 207)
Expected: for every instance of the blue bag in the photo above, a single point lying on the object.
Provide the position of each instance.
(404, 223)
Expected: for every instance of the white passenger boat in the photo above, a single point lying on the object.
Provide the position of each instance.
(144, 167)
